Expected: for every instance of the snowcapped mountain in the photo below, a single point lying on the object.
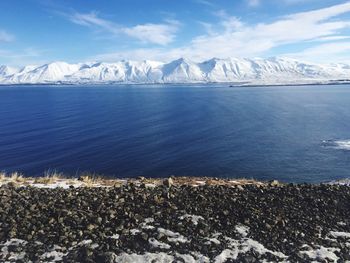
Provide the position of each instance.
(270, 71)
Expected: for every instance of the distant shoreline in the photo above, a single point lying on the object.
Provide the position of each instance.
(229, 84)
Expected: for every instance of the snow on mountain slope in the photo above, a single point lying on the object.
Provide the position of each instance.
(7, 71)
(244, 71)
(182, 71)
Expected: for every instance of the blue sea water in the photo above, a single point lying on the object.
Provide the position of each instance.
(293, 134)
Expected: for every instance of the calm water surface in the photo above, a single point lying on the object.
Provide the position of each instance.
(294, 134)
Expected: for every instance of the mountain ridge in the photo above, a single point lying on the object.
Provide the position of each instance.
(271, 71)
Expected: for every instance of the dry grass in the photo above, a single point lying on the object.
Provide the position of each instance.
(88, 180)
(95, 180)
(2, 176)
(50, 177)
(15, 178)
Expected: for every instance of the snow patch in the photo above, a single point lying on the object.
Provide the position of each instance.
(146, 222)
(244, 245)
(147, 257)
(339, 234)
(242, 230)
(234, 247)
(9, 255)
(52, 256)
(115, 236)
(157, 244)
(193, 218)
(322, 253)
(161, 257)
(134, 231)
(173, 236)
(213, 240)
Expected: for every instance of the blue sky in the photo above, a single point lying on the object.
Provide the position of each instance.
(41, 31)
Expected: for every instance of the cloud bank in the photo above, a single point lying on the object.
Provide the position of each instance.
(232, 37)
(160, 34)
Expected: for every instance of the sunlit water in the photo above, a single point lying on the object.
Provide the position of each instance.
(292, 134)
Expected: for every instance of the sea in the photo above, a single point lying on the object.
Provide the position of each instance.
(288, 133)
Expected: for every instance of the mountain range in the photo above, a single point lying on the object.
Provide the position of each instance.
(271, 71)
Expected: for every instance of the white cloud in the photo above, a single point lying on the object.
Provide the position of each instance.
(231, 37)
(91, 19)
(253, 3)
(5, 37)
(328, 52)
(161, 34)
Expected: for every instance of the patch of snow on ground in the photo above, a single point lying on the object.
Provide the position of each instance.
(149, 220)
(195, 258)
(172, 236)
(322, 253)
(147, 257)
(244, 245)
(161, 257)
(115, 236)
(52, 256)
(193, 218)
(341, 223)
(157, 244)
(339, 234)
(213, 240)
(134, 231)
(61, 184)
(233, 249)
(85, 242)
(242, 230)
(5, 253)
(146, 222)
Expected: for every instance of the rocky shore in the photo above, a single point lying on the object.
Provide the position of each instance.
(174, 221)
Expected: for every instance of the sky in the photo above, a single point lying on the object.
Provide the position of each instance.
(34, 32)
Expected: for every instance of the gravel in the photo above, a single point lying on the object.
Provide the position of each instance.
(172, 223)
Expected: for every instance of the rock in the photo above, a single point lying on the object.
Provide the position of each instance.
(106, 257)
(226, 212)
(240, 188)
(144, 236)
(168, 182)
(274, 183)
(248, 259)
(91, 227)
